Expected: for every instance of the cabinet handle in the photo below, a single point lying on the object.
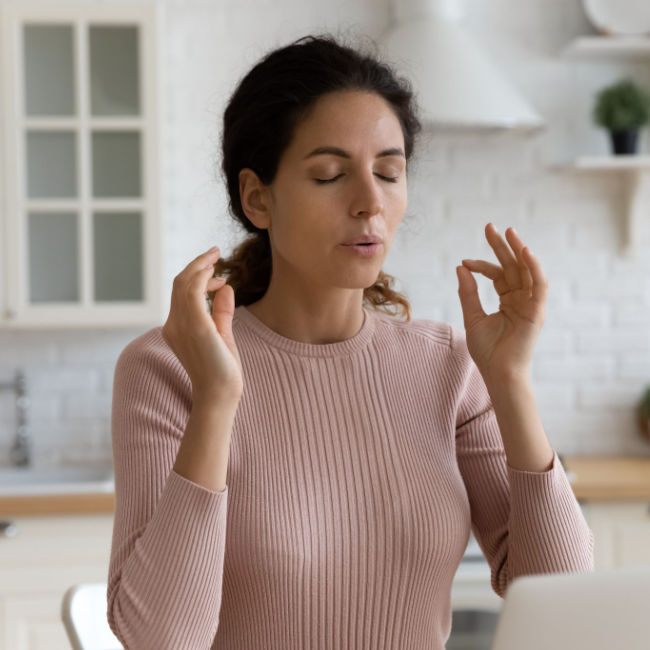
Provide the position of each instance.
(8, 529)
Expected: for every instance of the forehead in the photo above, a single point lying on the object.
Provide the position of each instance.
(352, 120)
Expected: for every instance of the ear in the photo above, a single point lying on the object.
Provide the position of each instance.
(254, 197)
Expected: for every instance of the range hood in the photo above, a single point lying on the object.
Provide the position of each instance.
(457, 87)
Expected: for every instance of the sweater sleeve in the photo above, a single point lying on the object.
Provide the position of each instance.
(166, 563)
(524, 522)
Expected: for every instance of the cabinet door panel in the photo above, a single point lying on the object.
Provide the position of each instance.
(116, 164)
(53, 257)
(48, 52)
(33, 622)
(622, 533)
(114, 70)
(118, 253)
(51, 164)
(48, 555)
(633, 544)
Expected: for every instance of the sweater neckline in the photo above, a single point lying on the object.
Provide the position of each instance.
(337, 349)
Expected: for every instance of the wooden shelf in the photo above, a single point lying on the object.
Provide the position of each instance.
(636, 171)
(607, 48)
(635, 167)
(614, 163)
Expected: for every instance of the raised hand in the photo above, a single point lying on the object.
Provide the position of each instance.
(202, 341)
(502, 343)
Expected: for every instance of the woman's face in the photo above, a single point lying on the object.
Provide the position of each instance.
(310, 220)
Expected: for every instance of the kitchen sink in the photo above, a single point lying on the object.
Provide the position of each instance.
(56, 479)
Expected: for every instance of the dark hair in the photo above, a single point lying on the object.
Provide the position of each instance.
(259, 122)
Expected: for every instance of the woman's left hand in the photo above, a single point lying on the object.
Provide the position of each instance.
(502, 343)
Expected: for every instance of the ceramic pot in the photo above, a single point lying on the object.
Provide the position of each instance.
(624, 142)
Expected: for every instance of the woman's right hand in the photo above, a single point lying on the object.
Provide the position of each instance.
(202, 341)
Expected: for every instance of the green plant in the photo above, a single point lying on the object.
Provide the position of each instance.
(643, 414)
(621, 106)
(644, 405)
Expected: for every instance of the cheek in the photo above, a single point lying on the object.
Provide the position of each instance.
(299, 235)
(398, 203)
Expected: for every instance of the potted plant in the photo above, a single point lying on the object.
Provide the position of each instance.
(643, 413)
(622, 108)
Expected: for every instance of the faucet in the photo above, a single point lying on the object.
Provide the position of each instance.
(20, 451)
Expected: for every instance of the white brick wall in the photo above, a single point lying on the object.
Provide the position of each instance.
(592, 360)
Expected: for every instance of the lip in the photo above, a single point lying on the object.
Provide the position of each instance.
(363, 251)
(362, 239)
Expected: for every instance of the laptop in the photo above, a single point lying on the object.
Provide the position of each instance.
(606, 609)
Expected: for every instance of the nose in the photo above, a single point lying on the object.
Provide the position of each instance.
(367, 196)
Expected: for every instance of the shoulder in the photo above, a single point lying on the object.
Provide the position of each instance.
(148, 358)
(422, 331)
(416, 329)
(425, 339)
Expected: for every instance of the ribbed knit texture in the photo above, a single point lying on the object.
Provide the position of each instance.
(356, 471)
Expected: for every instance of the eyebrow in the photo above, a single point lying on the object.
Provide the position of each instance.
(336, 151)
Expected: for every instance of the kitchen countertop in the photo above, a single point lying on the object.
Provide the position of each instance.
(609, 478)
(57, 504)
(593, 478)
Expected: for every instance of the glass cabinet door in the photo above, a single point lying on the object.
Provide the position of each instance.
(82, 143)
(53, 171)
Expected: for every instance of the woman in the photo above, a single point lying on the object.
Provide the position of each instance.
(294, 467)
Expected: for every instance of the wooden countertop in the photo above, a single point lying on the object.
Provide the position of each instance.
(57, 504)
(609, 478)
(593, 478)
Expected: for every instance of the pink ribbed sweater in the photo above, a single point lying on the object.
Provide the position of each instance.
(356, 471)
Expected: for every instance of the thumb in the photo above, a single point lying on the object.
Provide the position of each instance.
(469, 300)
(223, 307)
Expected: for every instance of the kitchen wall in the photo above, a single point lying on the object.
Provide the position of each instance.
(593, 356)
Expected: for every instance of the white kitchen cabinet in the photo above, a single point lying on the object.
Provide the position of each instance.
(622, 532)
(47, 555)
(81, 217)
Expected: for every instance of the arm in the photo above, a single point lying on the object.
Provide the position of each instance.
(167, 554)
(526, 522)
(526, 445)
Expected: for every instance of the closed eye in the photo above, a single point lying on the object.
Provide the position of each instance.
(331, 180)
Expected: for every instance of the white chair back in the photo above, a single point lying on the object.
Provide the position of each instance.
(83, 612)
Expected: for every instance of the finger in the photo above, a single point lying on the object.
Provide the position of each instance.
(197, 283)
(489, 270)
(222, 311)
(202, 261)
(469, 300)
(540, 283)
(211, 288)
(504, 255)
(215, 282)
(517, 245)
